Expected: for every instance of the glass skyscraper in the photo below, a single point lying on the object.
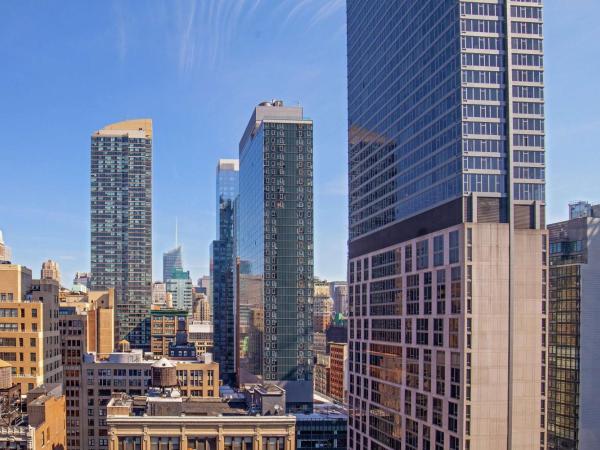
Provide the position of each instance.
(121, 221)
(172, 260)
(447, 248)
(222, 269)
(275, 248)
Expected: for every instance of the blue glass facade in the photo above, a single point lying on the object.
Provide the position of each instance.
(438, 96)
(172, 261)
(227, 184)
(275, 247)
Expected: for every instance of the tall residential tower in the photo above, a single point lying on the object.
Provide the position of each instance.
(222, 269)
(275, 244)
(447, 248)
(121, 217)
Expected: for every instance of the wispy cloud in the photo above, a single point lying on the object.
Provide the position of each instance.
(121, 33)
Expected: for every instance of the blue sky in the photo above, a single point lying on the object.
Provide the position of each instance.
(197, 69)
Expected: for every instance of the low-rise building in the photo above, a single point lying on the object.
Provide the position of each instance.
(130, 372)
(325, 427)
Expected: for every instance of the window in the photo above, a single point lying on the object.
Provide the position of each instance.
(273, 443)
(438, 251)
(422, 255)
(238, 443)
(130, 443)
(453, 247)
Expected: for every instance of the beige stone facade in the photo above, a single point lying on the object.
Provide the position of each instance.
(29, 334)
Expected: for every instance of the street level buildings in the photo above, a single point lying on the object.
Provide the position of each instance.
(275, 246)
(574, 361)
(447, 245)
(121, 223)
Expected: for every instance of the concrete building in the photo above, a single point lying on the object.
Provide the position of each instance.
(181, 289)
(121, 223)
(129, 372)
(338, 372)
(36, 422)
(274, 238)
(172, 260)
(339, 294)
(50, 271)
(447, 244)
(574, 339)
(86, 323)
(164, 324)
(5, 253)
(29, 333)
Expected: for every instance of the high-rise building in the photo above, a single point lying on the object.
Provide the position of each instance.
(82, 278)
(50, 271)
(201, 308)
(29, 334)
(275, 245)
(121, 219)
(222, 268)
(339, 294)
(172, 260)
(574, 360)
(5, 253)
(181, 288)
(447, 248)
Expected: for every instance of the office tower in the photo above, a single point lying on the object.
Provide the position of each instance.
(50, 271)
(222, 260)
(275, 245)
(159, 294)
(447, 248)
(339, 294)
(83, 279)
(573, 363)
(121, 218)
(181, 288)
(86, 323)
(172, 261)
(5, 253)
(29, 335)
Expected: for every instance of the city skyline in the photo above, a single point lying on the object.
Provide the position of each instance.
(181, 154)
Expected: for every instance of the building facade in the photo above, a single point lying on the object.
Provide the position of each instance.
(338, 372)
(121, 221)
(5, 253)
(181, 288)
(164, 324)
(50, 270)
(447, 248)
(573, 392)
(172, 260)
(86, 323)
(339, 294)
(275, 246)
(29, 333)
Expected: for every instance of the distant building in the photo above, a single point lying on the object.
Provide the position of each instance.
(321, 373)
(181, 288)
(172, 261)
(574, 337)
(275, 243)
(159, 294)
(227, 185)
(164, 324)
(29, 334)
(35, 422)
(87, 324)
(50, 271)
(5, 254)
(338, 373)
(319, 342)
(83, 278)
(201, 308)
(121, 223)
(201, 335)
(339, 294)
